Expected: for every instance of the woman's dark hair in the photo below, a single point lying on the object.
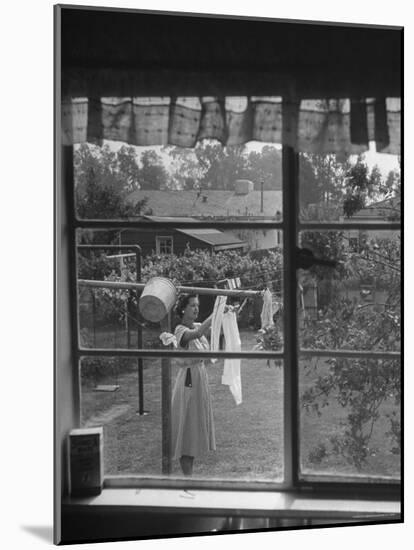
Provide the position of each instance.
(182, 303)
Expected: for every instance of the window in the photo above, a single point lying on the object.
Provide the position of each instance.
(130, 392)
(346, 333)
(321, 382)
(349, 395)
(164, 245)
(354, 243)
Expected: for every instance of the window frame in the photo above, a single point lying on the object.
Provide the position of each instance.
(159, 243)
(290, 226)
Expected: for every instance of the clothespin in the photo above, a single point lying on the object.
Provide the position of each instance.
(242, 306)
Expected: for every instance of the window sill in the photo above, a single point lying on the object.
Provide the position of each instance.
(237, 503)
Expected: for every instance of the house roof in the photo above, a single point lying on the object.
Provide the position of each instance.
(217, 203)
(175, 219)
(382, 210)
(219, 239)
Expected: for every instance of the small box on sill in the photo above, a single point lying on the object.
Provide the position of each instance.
(85, 451)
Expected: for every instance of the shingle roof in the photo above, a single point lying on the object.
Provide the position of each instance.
(380, 210)
(218, 203)
(219, 239)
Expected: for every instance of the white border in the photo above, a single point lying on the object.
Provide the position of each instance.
(27, 278)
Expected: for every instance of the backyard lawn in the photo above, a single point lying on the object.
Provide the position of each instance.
(249, 436)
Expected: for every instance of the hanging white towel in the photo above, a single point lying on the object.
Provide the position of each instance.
(216, 323)
(267, 310)
(167, 338)
(231, 371)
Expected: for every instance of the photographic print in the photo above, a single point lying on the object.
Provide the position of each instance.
(228, 208)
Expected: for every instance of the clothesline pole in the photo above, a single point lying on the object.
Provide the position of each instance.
(166, 404)
(183, 289)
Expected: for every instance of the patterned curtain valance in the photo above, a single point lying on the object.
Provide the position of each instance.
(343, 126)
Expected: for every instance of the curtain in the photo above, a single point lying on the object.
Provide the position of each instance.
(342, 126)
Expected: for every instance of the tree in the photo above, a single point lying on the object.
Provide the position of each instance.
(103, 182)
(364, 188)
(322, 180)
(360, 386)
(265, 166)
(152, 174)
(220, 166)
(211, 166)
(128, 167)
(185, 168)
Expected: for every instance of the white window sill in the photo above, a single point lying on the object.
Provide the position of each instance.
(238, 503)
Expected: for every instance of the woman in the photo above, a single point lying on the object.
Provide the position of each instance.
(192, 414)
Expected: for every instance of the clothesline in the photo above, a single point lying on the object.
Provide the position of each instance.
(248, 279)
(183, 289)
(267, 283)
(260, 273)
(134, 319)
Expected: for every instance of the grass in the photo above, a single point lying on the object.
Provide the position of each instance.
(249, 436)
(318, 430)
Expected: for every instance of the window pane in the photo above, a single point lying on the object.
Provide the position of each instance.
(248, 435)
(357, 304)
(209, 182)
(350, 418)
(249, 260)
(365, 188)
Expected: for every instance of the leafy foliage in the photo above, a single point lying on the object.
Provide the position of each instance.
(194, 266)
(104, 180)
(211, 166)
(152, 174)
(359, 386)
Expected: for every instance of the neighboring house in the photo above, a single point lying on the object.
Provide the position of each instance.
(241, 204)
(386, 210)
(174, 241)
(364, 294)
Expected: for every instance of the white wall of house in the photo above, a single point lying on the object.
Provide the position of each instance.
(260, 239)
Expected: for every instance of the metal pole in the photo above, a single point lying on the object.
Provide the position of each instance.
(183, 289)
(141, 410)
(166, 404)
(130, 286)
(127, 320)
(261, 196)
(94, 318)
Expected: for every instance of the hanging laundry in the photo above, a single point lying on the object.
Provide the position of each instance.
(167, 338)
(267, 310)
(231, 371)
(216, 323)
